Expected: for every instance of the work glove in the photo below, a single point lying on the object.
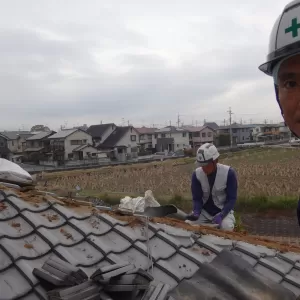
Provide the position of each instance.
(192, 217)
(217, 219)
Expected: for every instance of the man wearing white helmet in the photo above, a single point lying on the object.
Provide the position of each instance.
(283, 64)
(214, 190)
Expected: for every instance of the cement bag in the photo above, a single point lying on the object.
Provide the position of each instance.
(11, 172)
(138, 204)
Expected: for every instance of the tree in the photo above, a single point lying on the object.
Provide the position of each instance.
(39, 128)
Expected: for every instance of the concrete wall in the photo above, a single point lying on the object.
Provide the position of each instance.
(126, 140)
(84, 137)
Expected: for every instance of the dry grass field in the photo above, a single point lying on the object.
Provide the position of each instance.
(264, 173)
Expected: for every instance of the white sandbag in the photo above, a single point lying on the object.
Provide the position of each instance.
(12, 172)
(138, 204)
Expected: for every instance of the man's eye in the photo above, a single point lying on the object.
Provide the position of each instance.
(289, 84)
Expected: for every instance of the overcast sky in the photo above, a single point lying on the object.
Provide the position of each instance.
(73, 61)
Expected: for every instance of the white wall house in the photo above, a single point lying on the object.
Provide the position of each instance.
(68, 140)
(171, 138)
(101, 132)
(200, 135)
(16, 140)
(122, 143)
(146, 136)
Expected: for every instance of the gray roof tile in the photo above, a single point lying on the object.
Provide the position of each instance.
(13, 284)
(265, 271)
(30, 233)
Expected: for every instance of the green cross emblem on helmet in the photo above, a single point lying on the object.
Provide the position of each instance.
(293, 28)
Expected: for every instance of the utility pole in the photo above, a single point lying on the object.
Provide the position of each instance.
(230, 129)
(178, 120)
(170, 123)
(224, 122)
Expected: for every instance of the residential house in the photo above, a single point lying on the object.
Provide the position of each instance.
(4, 151)
(101, 132)
(200, 135)
(241, 133)
(267, 132)
(16, 140)
(214, 126)
(122, 143)
(38, 144)
(171, 139)
(65, 144)
(146, 135)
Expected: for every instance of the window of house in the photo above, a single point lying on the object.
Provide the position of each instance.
(12, 143)
(163, 135)
(40, 144)
(142, 137)
(84, 142)
(209, 134)
(243, 138)
(149, 145)
(155, 136)
(149, 136)
(196, 134)
(234, 130)
(203, 134)
(94, 154)
(1, 144)
(177, 145)
(70, 155)
(133, 138)
(184, 134)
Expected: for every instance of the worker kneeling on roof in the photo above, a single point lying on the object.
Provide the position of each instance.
(214, 190)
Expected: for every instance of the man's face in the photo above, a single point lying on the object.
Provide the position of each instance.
(210, 168)
(289, 92)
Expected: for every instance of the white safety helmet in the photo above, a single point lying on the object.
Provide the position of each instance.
(284, 38)
(206, 154)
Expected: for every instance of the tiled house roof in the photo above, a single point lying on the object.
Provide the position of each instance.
(31, 231)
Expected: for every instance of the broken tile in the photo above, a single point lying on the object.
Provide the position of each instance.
(68, 213)
(218, 241)
(157, 292)
(208, 245)
(256, 251)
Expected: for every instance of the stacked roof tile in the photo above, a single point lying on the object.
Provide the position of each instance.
(36, 238)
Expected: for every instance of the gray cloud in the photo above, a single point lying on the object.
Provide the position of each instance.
(77, 63)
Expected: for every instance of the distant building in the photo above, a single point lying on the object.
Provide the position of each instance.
(200, 135)
(241, 133)
(269, 132)
(171, 138)
(146, 136)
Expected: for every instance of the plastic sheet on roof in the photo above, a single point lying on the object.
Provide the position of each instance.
(11, 172)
